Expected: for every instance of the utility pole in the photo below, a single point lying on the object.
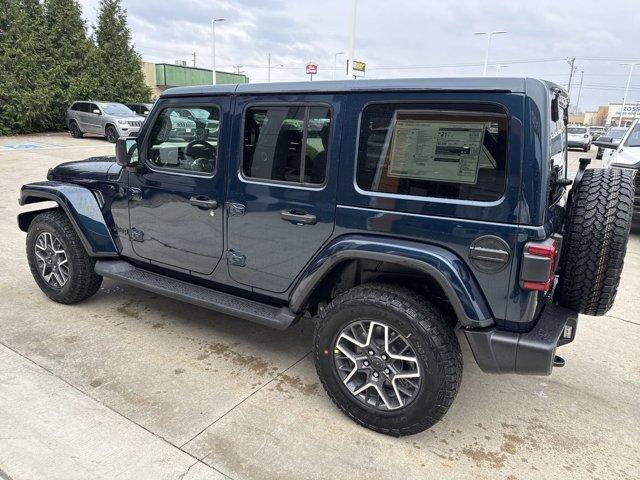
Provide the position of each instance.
(571, 62)
(352, 38)
(269, 68)
(194, 59)
(238, 67)
(579, 91)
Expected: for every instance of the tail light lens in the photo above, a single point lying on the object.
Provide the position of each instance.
(539, 263)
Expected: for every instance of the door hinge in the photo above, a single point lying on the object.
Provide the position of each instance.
(135, 193)
(235, 209)
(136, 235)
(237, 259)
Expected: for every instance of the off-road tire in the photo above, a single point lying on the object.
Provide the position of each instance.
(74, 129)
(595, 240)
(83, 282)
(433, 340)
(111, 134)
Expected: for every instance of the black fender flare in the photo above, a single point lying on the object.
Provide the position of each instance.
(81, 207)
(446, 268)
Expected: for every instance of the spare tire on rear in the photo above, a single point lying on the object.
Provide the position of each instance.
(595, 240)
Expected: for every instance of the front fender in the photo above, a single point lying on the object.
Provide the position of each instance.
(446, 268)
(81, 207)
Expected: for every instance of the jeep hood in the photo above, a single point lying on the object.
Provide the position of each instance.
(89, 170)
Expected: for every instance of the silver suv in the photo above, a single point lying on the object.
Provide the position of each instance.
(107, 119)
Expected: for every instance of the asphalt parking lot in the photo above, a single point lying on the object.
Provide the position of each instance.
(132, 385)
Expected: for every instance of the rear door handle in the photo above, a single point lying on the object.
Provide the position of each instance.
(203, 202)
(299, 217)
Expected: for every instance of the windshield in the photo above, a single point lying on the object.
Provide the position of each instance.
(616, 133)
(576, 130)
(116, 109)
(633, 140)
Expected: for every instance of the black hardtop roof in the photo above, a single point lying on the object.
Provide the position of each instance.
(488, 84)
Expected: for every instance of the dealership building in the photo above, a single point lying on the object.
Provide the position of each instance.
(608, 115)
(160, 76)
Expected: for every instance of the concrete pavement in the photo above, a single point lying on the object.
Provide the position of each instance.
(133, 385)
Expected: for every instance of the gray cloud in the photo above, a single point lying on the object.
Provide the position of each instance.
(397, 33)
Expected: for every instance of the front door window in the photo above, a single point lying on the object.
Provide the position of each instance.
(185, 139)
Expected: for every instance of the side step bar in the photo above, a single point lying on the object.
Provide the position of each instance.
(274, 317)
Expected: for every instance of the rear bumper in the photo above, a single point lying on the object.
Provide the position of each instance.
(532, 353)
(578, 143)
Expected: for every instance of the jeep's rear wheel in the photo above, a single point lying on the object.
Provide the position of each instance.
(74, 129)
(58, 261)
(388, 358)
(111, 133)
(595, 240)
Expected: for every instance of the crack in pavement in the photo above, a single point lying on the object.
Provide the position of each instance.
(623, 320)
(197, 460)
(247, 398)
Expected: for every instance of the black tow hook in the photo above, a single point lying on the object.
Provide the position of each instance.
(558, 361)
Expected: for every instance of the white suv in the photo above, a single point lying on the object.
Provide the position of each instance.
(579, 136)
(107, 119)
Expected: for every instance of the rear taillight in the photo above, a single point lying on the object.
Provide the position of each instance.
(539, 262)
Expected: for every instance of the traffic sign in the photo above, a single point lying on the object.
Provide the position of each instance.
(312, 68)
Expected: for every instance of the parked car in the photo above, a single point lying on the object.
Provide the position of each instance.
(612, 137)
(392, 212)
(579, 136)
(625, 153)
(596, 131)
(107, 119)
(140, 108)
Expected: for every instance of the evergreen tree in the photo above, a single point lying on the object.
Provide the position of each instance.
(69, 53)
(25, 91)
(118, 67)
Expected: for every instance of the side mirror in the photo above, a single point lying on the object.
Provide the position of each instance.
(96, 111)
(126, 151)
(605, 142)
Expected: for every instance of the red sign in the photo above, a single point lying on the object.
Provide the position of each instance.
(312, 68)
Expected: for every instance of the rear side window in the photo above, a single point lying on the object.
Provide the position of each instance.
(286, 143)
(80, 107)
(453, 151)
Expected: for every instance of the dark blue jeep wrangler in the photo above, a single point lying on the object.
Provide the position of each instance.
(393, 212)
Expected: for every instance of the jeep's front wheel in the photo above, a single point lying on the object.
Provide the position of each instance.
(388, 358)
(58, 261)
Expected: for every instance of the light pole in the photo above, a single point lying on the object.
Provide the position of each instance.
(269, 67)
(335, 63)
(498, 67)
(213, 45)
(626, 90)
(486, 55)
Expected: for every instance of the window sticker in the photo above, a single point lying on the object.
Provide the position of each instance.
(435, 150)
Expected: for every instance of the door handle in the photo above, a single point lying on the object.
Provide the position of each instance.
(299, 217)
(203, 202)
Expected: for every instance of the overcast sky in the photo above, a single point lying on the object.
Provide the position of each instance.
(400, 38)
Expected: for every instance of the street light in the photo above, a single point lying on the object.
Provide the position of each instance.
(213, 44)
(626, 90)
(486, 55)
(335, 63)
(269, 67)
(498, 67)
